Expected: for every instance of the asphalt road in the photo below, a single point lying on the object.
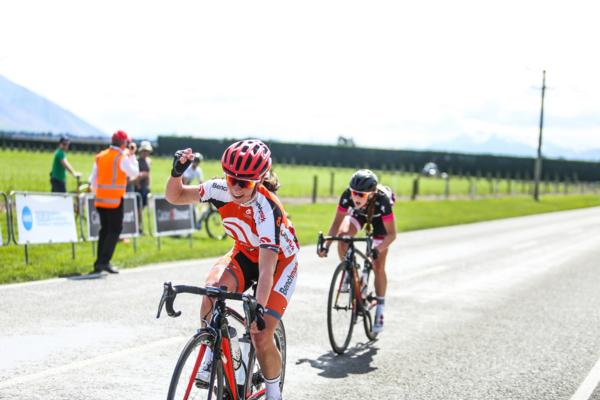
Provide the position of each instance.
(497, 310)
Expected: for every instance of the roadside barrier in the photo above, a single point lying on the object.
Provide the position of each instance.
(131, 219)
(6, 241)
(171, 220)
(42, 218)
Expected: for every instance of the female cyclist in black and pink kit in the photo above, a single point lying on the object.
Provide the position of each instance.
(365, 201)
(265, 245)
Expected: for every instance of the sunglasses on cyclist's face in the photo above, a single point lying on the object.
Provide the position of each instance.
(360, 195)
(242, 183)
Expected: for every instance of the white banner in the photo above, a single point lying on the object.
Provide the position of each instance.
(45, 219)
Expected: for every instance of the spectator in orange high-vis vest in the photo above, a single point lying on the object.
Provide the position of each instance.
(109, 180)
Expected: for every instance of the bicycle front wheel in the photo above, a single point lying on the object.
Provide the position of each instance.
(341, 308)
(184, 383)
(369, 304)
(214, 225)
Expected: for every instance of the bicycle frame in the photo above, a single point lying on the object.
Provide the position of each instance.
(350, 257)
(218, 329)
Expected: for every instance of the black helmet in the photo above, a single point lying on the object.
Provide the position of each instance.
(363, 180)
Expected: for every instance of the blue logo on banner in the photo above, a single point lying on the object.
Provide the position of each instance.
(27, 218)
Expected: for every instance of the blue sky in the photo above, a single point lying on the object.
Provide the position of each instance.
(387, 73)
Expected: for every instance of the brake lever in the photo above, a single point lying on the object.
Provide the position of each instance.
(167, 299)
(249, 310)
(320, 242)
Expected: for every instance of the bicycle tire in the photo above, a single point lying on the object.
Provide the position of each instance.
(369, 304)
(345, 308)
(214, 225)
(180, 381)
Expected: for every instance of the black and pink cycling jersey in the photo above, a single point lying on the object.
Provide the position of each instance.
(383, 210)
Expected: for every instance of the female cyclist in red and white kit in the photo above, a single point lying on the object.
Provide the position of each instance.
(265, 245)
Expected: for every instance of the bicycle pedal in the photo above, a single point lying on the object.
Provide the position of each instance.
(257, 378)
(200, 384)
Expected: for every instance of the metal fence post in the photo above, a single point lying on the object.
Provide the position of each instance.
(415, 189)
(447, 187)
(314, 190)
(331, 183)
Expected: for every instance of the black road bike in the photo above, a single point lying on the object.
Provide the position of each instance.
(351, 293)
(225, 381)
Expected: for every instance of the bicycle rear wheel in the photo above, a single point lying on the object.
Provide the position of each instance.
(184, 385)
(214, 225)
(369, 304)
(341, 308)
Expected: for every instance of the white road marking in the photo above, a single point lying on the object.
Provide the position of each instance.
(79, 364)
(589, 384)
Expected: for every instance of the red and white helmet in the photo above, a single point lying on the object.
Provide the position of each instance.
(247, 159)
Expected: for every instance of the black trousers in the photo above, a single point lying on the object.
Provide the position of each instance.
(58, 186)
(111, 225)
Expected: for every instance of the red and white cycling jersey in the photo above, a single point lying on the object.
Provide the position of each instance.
(261, 223)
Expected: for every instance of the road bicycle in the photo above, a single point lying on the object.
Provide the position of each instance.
(234, 372)
(351, 293)
(212, 220)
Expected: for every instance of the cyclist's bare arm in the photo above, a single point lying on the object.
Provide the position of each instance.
(390, 227)
(267, 260)
(178, 193)
(333, 230)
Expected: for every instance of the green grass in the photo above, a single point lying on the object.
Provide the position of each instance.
(48, 261)
(29, 171)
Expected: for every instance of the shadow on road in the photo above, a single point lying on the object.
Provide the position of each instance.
(82, 277)
(356, 360)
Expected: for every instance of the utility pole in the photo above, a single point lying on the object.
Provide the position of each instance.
(538, 161)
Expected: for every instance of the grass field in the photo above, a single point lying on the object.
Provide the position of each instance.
(48, 261)
(28, 171)
(21, 170)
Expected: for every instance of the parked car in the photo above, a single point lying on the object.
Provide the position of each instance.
(430, 170)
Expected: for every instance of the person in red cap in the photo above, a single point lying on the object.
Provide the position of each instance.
(109, 176)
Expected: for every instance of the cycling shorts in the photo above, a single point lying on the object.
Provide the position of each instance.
(245, 273)
(379, 231)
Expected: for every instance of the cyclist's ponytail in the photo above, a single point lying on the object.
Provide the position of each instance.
(271, 181)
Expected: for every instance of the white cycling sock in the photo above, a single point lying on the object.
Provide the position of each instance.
(207, 358)
(273, 392)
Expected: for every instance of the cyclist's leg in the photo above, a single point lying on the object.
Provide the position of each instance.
(349, 227)
(380, 275)
(267, 354)
(380, 288)
(224, 273)
(269, 358)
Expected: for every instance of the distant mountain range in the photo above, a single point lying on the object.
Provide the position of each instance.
(25, 111)
(22, 110)
(498, 146)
